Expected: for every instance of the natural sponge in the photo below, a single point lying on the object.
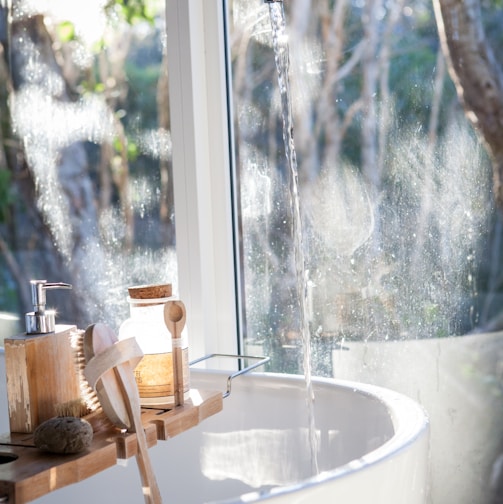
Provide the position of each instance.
(64, 435)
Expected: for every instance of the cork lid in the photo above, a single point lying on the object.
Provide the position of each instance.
(150, 291)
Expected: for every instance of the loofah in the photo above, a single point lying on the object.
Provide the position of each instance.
(64, 435)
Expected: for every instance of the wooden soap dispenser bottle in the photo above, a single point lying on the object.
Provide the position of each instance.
(40, 365)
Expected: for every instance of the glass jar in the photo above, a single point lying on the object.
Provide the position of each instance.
(154, 373)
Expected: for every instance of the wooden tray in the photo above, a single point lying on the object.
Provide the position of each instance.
(34, 473)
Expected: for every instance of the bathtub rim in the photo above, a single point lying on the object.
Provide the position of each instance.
(409, 419)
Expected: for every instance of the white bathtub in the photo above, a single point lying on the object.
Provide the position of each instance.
(373, 448)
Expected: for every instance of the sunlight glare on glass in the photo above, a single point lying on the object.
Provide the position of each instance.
(89, 18)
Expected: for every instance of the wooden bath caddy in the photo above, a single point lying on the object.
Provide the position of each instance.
(33, 473)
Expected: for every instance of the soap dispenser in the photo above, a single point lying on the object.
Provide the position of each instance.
(40, 365)
(42, 321)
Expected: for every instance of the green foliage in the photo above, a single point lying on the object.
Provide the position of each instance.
(142, 105)
(9, 299)
(492, 15)
(132, 151)
(66, 31)
(492, 4)
(131, 147)
(5, 194)
(135, 11)
(408, 74)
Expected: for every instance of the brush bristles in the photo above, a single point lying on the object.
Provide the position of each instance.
(88, 395)
(94, 413)
(76, 408)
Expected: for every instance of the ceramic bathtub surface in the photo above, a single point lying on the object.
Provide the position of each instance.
(374, 443)
(373, 448)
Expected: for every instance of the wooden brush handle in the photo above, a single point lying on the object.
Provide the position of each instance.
(110, 368)
(125, 376)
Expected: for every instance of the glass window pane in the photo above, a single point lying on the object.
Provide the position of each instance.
(390, 248)
(85, 171)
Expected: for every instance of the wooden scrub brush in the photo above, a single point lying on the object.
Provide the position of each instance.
(110, 371)
(88, 406)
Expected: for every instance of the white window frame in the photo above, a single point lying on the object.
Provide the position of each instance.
(197, 67)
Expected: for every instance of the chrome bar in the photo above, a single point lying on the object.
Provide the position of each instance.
(261, 361)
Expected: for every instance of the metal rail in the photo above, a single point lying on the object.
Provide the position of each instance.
(261, 361)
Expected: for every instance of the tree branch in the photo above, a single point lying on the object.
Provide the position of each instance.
(476, 74)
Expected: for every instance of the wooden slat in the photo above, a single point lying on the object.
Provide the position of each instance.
(35, 473)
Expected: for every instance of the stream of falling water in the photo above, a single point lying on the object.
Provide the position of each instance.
(282, 58)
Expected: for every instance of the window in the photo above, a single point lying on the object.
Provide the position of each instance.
(86, 165)
(395, 218)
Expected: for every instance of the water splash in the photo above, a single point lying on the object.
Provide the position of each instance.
(282, 59)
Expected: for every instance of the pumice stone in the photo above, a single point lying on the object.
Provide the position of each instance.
(64, 435)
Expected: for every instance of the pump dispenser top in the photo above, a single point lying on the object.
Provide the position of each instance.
(42, 321)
